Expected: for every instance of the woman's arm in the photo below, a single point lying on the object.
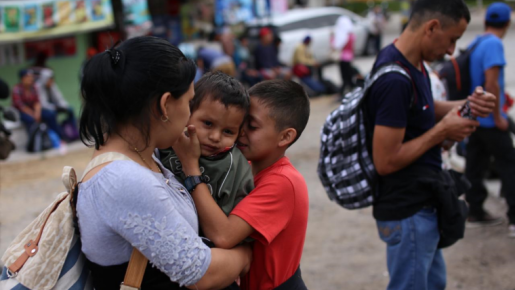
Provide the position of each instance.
(225, 267)
(160, 224)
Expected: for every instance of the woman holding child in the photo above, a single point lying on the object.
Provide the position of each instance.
(136, 99)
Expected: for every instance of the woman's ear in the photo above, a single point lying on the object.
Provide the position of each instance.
(163, 104)
(287, 137)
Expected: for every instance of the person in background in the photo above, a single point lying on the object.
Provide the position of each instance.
(227, 40)
(39, 64)
(26, 101)
(343, 42)
(210, 59)
(492, 138)
(52, 99)
(306, 67)
(4, 90)
(407, 134)
(378, 22)
(304, 55)
(246, 65)
(266, 56)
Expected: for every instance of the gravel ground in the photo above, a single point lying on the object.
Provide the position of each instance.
(342, 249)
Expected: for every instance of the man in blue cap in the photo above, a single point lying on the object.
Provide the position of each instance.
(492, 138)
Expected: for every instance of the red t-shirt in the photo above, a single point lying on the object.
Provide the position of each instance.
(277, 209)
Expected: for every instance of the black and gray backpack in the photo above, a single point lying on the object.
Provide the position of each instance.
(345, 167)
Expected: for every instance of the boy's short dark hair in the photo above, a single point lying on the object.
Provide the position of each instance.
(220, 87)
(287, 101)
(449, 12)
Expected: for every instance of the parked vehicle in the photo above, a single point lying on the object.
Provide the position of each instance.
(319, 22)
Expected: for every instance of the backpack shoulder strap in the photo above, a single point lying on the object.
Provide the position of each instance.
(135, 271)
(391, 67)
(478, 41)
(102, 159)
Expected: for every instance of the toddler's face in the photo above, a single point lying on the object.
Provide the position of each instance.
(217, 126)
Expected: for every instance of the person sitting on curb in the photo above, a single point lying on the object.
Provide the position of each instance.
(27, 102)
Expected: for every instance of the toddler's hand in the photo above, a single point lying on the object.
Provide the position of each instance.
(187, 148)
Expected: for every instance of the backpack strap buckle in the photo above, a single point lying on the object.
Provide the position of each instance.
(11, 274)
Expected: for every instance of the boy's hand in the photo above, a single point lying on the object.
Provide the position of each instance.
(187, 148)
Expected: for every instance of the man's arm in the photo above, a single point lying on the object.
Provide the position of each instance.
(492, 86)
(225, 231)
(391, 154)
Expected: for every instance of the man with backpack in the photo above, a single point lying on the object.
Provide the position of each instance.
(492, 137)
(407, 129)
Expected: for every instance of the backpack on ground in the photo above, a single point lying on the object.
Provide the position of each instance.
(70, 131)
(345, 166)
(39, 138)
(455, 74)
(47, 254)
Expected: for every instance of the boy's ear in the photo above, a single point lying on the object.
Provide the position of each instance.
(287, 137)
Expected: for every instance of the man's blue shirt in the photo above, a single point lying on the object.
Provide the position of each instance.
(488, 53)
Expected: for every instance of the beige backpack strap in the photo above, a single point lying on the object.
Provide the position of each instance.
(135, 271)
(102, 159)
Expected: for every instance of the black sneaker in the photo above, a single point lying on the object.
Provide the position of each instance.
(485, 220)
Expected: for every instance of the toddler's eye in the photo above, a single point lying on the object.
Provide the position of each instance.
(228, 132)
(208, 123)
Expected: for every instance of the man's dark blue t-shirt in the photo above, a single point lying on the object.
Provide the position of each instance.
(388, 104)
(266, 56)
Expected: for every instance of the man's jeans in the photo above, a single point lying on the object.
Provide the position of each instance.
(414, 261)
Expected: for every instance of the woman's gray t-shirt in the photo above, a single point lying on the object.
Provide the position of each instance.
(126, 205)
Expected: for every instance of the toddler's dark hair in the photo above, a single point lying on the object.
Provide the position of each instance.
(220, 87)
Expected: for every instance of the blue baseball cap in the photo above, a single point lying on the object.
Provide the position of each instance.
(498, 12)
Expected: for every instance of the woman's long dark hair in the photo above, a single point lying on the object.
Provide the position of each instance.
(123, 86)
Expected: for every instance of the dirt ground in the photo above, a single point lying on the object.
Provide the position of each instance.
(342, 248)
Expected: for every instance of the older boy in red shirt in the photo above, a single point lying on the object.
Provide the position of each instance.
(275, 213)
